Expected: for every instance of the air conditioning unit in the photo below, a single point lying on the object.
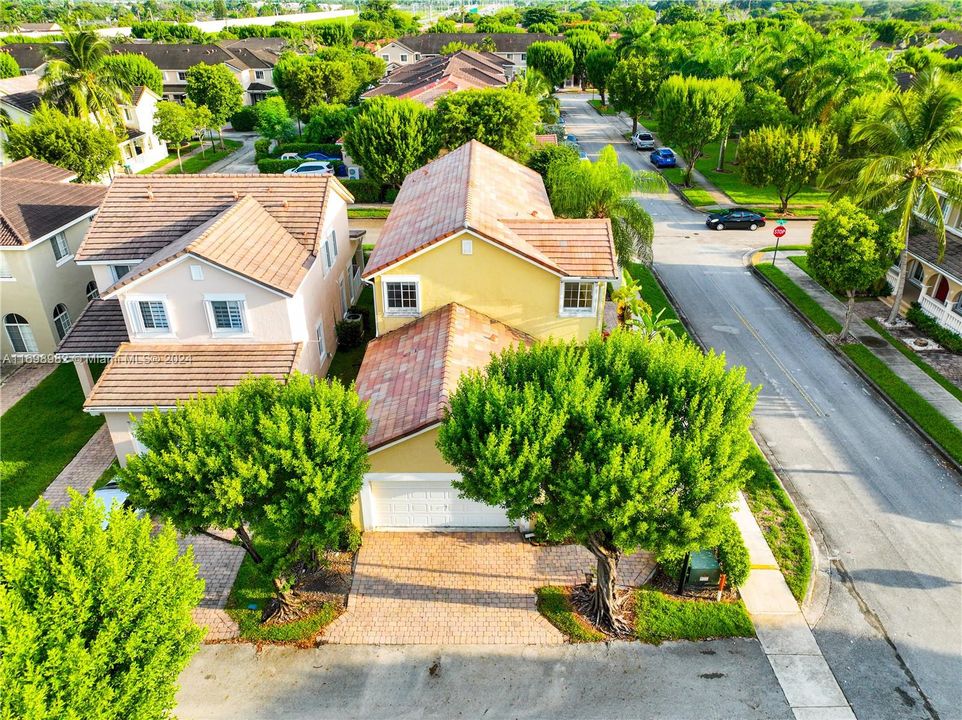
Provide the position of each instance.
(354, 173)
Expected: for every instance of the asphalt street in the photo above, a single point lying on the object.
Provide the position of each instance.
(885, 511)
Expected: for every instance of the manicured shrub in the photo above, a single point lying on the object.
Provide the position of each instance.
(364, 191)
(364, 312)
(390, 194)
(268, 166)
(733, 555)
(244, 119)
(930, 328)
(350, 334)
(261, 148)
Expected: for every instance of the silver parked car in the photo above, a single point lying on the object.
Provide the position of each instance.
(313, 167)
(643, 140)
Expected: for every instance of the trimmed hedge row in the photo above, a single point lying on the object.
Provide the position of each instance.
(245, 119)
(273, 166)
(929, 327)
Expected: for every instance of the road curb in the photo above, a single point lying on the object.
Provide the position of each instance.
(908, 419)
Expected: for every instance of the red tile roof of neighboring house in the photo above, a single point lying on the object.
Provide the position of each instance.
(474, 188)
(98, 332)
(143, 214)
(32, 169)
(145, 375)
(409, 374)
(244, 238)
(429, 79)
(32, 209)
(549, 139)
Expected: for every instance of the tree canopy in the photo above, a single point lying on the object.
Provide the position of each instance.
(552, 59)
(599, 64)
(505, 121)
(132, 70)
(69, 142)
(390, 138)
(618, 444)
(216, 88)
(174, 124)
(633, 86)
(8, 66)
(95, 618)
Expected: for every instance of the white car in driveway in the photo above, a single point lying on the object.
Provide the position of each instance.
(643, 140)
(313, 167)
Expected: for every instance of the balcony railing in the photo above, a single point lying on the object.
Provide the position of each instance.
(942, 312)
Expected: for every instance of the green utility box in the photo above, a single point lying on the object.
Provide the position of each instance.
(704, 571)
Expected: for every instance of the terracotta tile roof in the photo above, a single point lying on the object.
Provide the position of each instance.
(924, 244)
(582, 248)
(31, 209)
(144, 375)
(408, 374)
(432, 77)
(475, 188)
(244, 238)
(32, 169)
(548, 139)
(98, 332)
(142, 214)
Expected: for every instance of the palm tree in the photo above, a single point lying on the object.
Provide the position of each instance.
(536, 86)
(78, 82)
(602, 189)
(913, 158)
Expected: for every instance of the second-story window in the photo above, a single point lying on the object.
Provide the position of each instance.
(404, 58)
(91, 291)
(61, 251)
(118, 271)
(401, 297)
(153, 316)
(259, 74)
(61, 320)
(227, 315)
(577, 297)
(182, 76)
(329, 250)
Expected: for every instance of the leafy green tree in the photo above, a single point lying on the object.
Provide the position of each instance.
(894, 31)
(599, 65)
(581, 42)
(602, 189)
(544, 156)
(786, 159)
(692, 112)
(285, 459)
(95, 620)
(552, 59)
(203, 121)
(678, 12)
(79, 82)
(633, 86)
(174, 124)
(543, 29)
(132, 70)
(536, 86)
(8, 66)
(443, 26)
(910, 161)
(850, 252)
(539, 15)
(618, 444)
(273, 120)
(505, 121)
(216, 88)
(390, 138)
(69, 142)
(328, 122)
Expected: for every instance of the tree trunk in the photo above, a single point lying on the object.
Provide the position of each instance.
(721, 153)
(220, 134)
(849, 312)
(604, 606)
(245, 540)
(900, 283)
(180, 163)
(634, 124)
(784, 208)
(602, 93)
(283, 607)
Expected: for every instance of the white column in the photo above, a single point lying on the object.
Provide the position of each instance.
(86, 379)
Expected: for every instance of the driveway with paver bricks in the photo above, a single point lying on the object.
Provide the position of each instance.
(218, 562)
(461, 588)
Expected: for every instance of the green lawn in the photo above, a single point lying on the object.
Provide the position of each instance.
(652, 294)
(771, 248)
(731, 183)
(554, 604)
(362, 213)
(649, 123)
(781, 525)
(914, 357)
(171, 155)
(947, 435)
(697, 195)
(198, 162)
(252, 587)
(346, 363)
(660, 617)
(41, 434)
(602, 109)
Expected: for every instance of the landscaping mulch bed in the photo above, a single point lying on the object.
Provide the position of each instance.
(329, 583)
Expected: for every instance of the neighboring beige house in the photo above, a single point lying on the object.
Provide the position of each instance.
(470, 261)
(935, 284)
(139, 148)
(512, 47)
(206, 278)
(43, 218)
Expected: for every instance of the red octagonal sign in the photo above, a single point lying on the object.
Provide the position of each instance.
(779, 231)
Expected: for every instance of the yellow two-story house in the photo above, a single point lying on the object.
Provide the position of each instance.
(470, 261)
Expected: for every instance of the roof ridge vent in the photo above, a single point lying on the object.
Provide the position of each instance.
(150, 193)
(236, 194)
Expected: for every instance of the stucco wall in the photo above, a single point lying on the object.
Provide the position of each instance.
(118, 424)
(416, 454)
(493, 282)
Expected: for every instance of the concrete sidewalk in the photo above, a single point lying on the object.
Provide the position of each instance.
(787, 641)
(925, 386)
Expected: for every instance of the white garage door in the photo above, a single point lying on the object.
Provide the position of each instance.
(423, 501)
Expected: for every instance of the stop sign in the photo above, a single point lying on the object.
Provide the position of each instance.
(779, 231)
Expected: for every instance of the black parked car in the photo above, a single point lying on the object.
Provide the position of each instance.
(735, 218)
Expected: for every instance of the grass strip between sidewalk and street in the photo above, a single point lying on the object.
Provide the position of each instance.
(696, 195)
(555, 604)
(928, 418)
(602, 109)
(367, 213)
(652, 294)
(198, 162)
(660, 617)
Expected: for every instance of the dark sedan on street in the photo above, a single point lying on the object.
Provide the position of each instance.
(735, 219)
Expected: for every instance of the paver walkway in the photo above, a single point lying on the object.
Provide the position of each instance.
(943, 400)
(20, 381)
(218, 563)
(461, 588)
(84, 470)
(806, 679)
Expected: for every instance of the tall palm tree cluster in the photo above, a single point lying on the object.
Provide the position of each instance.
(79, 82)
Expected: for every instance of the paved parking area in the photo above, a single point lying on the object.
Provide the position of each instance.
(460, 588)
(218, 563)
